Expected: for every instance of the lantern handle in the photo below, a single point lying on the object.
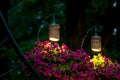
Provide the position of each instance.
(87, 35)
(42, 25)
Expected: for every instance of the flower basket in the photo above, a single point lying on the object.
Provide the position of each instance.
(57, 62)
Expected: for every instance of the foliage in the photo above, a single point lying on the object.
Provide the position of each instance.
(12, 62)
(59, 62)
(26, 16)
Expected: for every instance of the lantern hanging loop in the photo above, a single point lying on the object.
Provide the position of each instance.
(85, 37)
(42, 25)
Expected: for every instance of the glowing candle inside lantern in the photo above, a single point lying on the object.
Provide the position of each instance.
(96, 43)
(54, 33)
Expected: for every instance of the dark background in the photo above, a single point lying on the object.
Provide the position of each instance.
(24, 17)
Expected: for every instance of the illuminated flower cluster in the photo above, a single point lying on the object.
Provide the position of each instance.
(57, 62)
(99, 60)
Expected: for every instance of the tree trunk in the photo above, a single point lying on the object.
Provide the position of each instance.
(75, 14)
(111, 21)
(118, 26)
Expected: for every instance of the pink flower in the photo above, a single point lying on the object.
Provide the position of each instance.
(74, 66)
(76, 55)
(41, 62)
(55, 74)
(59, 71)
(91, 64)
(90, 73)
(117, 76)
(63, 78)
(54, 65)
(56, 45)
(64, 47)
(46, 72)
(34, 49)
(107, 72)
(82, 74)
(38, 42)
(39, 70)
(106, 59)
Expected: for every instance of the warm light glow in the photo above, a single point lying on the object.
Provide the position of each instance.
(96, 50)
(54, 33)
(53, 39)
(96, 43)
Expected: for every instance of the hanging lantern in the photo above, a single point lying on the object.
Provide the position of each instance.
(54, 33)
(96, 43)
